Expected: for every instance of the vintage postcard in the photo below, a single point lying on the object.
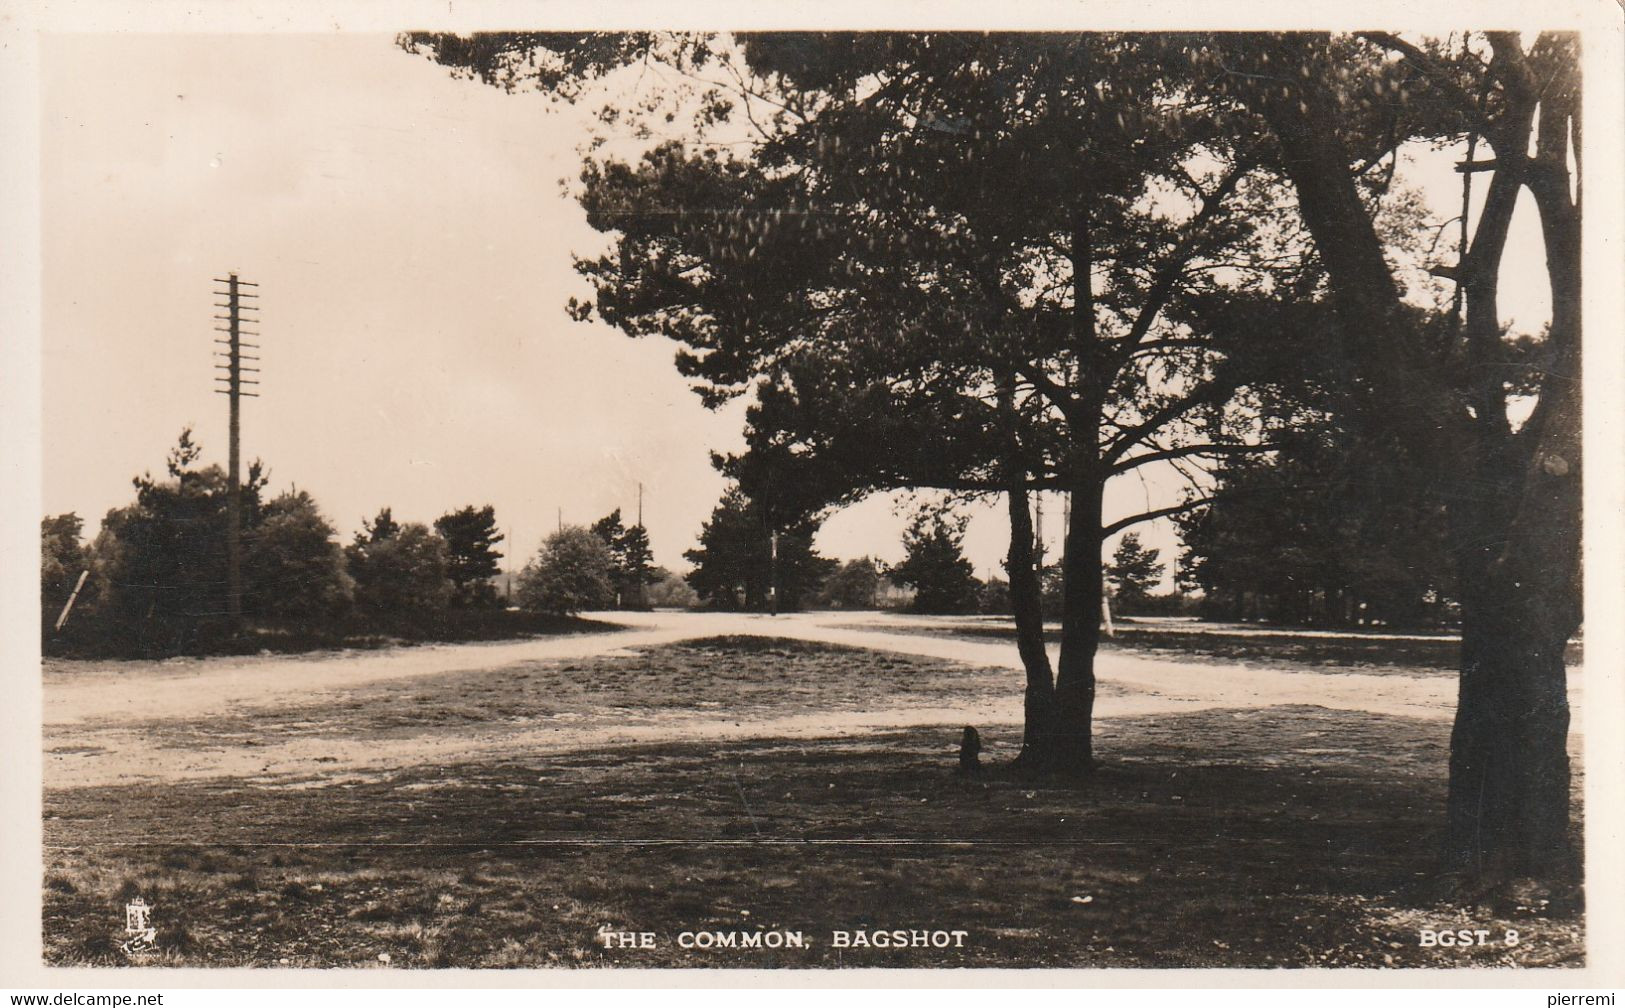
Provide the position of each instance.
(1100, 497)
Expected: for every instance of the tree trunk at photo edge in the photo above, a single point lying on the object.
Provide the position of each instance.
(1080, 635)
(1026, 602)
(1508, 796)
(1515, 526)
(1508, 804)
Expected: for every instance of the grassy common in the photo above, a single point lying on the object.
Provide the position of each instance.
(1268, 837)
(734, 677)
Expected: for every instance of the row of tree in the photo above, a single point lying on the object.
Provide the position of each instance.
(159, 565)
(741, 560)
(154, 579)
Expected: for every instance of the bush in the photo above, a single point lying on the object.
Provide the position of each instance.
(672, 592)
(399, 571)
(574, 571)
(294, 567)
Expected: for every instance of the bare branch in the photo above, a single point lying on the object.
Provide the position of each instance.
(1145, 516)
(1185, 451)
(1206, 395)
(1168, 274)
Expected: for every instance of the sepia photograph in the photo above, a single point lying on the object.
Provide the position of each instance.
(842, 498)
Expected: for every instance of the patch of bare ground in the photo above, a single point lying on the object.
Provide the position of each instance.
(1264, 837)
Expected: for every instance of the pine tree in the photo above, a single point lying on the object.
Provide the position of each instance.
(633, 567)
(934, 564)
(1134, 571)
(471, 536)
(733, 566)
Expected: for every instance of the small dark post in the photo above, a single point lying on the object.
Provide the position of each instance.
(970, 751)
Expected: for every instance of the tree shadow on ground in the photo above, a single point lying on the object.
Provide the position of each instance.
(1288, 836)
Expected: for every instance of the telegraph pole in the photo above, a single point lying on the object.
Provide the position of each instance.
(773, 574)
(1038, 531)
(233, 390)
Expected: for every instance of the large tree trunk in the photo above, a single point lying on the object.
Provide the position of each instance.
(1026, 598)
(1080, 632)
(1038, 743)
(1080, 566)
(1514, 510)
(1509, 768)
(1508, 804)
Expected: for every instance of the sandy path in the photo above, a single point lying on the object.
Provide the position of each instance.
(193, 688)
(84, 713)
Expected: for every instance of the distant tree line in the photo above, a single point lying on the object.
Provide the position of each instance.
(154, 577)
(1361, 543)
(735, 563)
(1334, 531)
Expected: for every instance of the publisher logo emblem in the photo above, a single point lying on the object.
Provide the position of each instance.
(138, 925)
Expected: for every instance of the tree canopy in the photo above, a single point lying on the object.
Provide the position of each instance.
(161, 561)
(294, 564)
(1003, 262)
(1335, 531)
(852, 585)
(632, 559)
(1133, 572)
(399, 571)
(62, 558)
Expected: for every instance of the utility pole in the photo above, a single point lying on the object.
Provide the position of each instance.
(233, 390)
(1066, 524)
(773, 574)
(640, 505)
(1038, 530)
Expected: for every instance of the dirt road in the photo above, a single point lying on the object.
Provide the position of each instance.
(89, 710)
(191, 687)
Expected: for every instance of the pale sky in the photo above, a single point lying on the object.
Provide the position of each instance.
(413, 252)
(413, 248)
